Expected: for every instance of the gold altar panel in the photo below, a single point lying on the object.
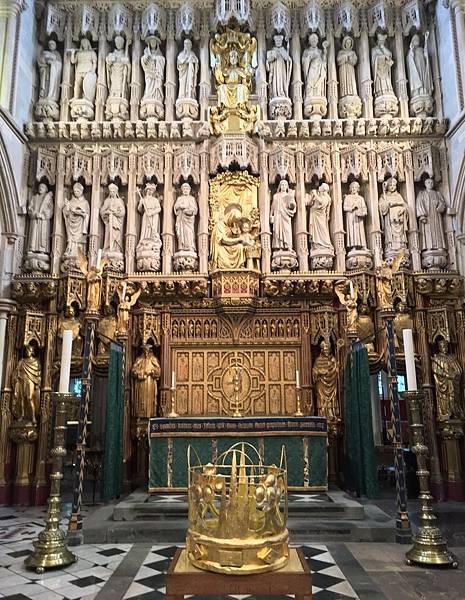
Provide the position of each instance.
(206, 380)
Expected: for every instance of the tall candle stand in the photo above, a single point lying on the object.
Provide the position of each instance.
(429, 546)
(298, 408)
(173, 412)
(50, 547)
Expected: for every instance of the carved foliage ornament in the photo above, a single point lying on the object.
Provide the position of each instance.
(34, 328)
(413, 16)
(186, 20)
(279, 18)
(115, 164)
(186, 164)
(354, 162)
(232, 9)
(147, 327)
(389, 162)
(55, 22)
(119, 21)
(425, 159)
(312, 18)
(153, 21)
(282, 165)
(79, 164)
(380, 16)
(234, 149)
(318, 163)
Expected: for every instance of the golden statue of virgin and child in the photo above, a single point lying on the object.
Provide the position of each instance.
(233, 55)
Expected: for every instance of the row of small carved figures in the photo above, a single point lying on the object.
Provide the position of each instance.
(266, 328)
(266, 129)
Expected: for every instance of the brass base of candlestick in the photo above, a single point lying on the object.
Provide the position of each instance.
(298, 408)
(50, 550)
(173, 413)
(429, 547)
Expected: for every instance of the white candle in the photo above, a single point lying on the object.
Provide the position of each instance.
(351, 287)
(173, 380)
(125, 285)
(99, 257)
(409, 353)
(297, 378)
(65, 367)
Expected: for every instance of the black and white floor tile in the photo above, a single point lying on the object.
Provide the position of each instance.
(80, 581)
(329, 583)
(293, 497)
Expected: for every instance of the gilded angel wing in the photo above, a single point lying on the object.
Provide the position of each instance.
(82, 262)
(396, 263)
(134, 297)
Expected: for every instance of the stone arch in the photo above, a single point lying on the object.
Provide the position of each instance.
(9, 198)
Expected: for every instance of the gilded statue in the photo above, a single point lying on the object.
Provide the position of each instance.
(447, 374)
(227, 247)
(145, 373)
(402, 321)
(232, 56)
(365, 327)
(70, 321)
(126, 302)
(348, 298)
(26, 387)
(384, 275)
(325, 376)
(94, 281)
(106, 330)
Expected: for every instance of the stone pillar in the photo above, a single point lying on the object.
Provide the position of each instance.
(364, 72)
(170, 85)
(101, 94)
(202, 236)
(457, 9)
(301, 232)
(296, 55)
(401, 78)
(95, 203)
(204, 87)
(433, 53)
(261, 70)
(168, 225)
(337, 217)
(7, 91)
(264, 203)
(451, 236)
(306, 365)
(136, 88)
(58, 235)
(373, 211)
(332, 71)
(131, 211)
(413, 235)
(66, 85)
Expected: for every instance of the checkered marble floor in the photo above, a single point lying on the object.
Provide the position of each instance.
(80, 581)
(328, 580)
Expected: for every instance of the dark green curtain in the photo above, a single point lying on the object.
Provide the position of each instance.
(361, 472)
(113, 451)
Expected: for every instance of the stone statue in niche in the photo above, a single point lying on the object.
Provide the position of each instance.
(279, 66)
(76, 214)
(355, 208)
(50, 66)
(118, 79)
(149, 246)
(85, 81)
(185, 209)
(145, 373)
(321, 247)
(325, 376)
(187, 63)
(386, 103)
(314, 63)
(26, 387)
(447, 374)
(350, 104)
(283, 209)
(153, 65)
(419, 77)
(112, 212)
(430, 208)
(40, 213)
(126, 302)
(394, 215)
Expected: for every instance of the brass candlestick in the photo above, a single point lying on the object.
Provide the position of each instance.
(429, 546)
(298, 412)
(50, 548)
(173, 412)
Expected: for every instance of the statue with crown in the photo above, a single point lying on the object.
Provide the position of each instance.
(233, 60)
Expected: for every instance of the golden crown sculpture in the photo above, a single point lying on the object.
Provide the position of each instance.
(237, 513)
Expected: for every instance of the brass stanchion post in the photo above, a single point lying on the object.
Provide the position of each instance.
(429, 546)
(50, 548)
